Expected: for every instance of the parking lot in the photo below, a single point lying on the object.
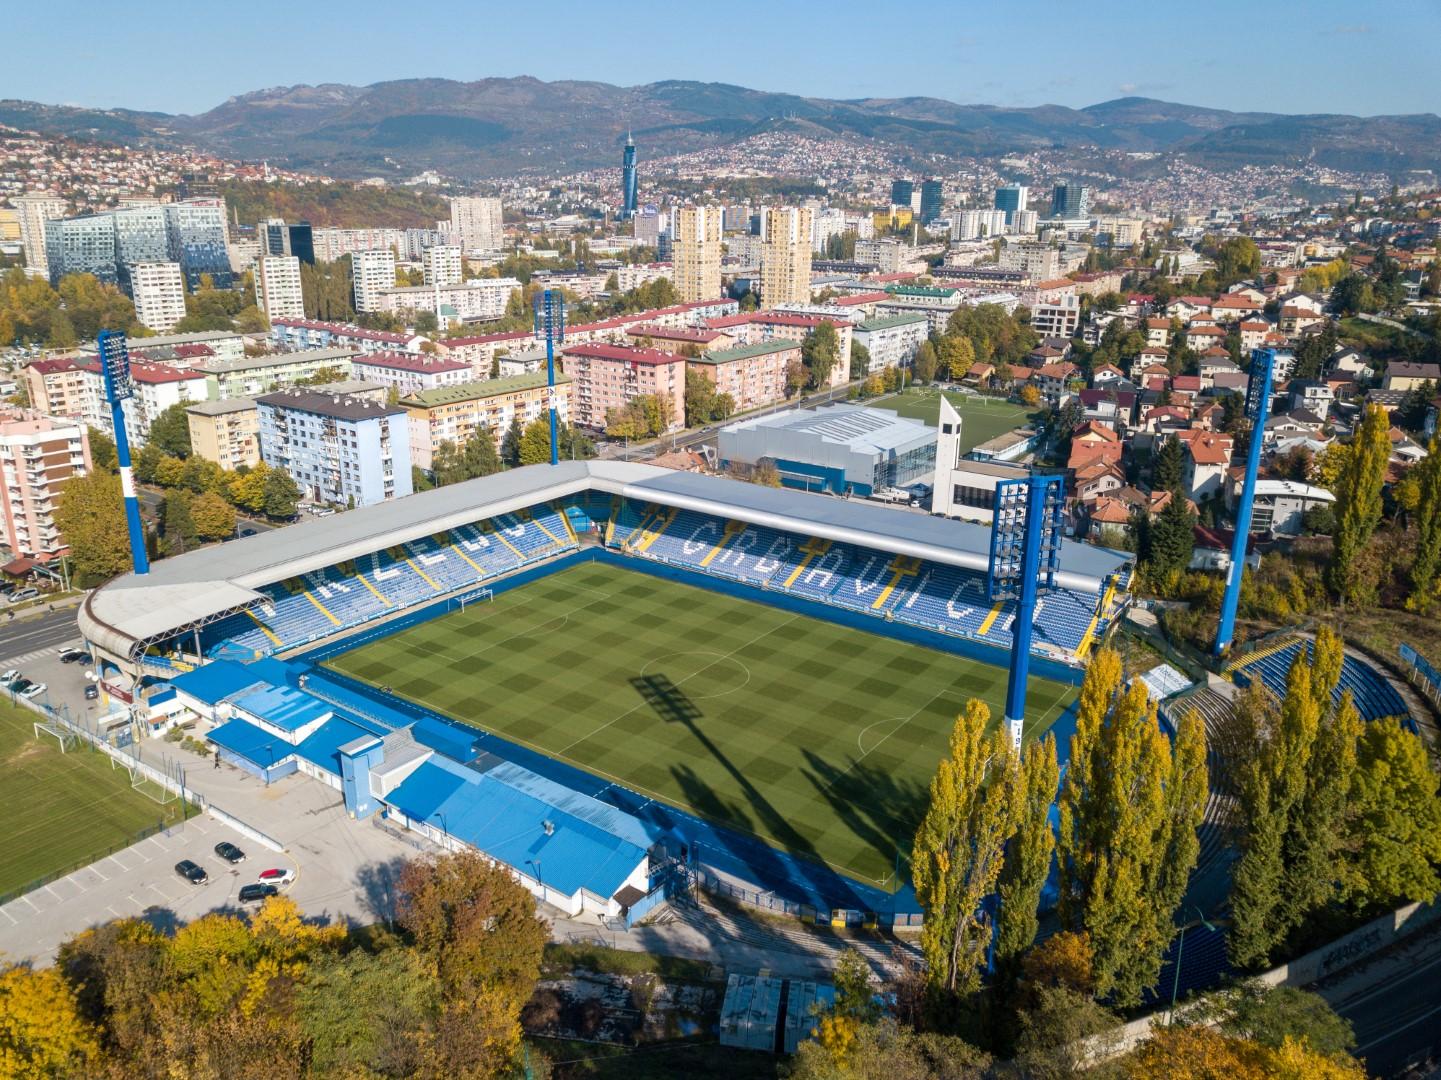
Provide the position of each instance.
(137, 881)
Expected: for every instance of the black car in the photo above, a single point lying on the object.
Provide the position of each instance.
(92, 693)
(250, 894)
(192, 872)
(229, 852)
(75, 656)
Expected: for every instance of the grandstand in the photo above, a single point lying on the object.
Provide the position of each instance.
(323, 587)
(1374, 697)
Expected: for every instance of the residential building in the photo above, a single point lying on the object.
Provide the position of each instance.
(34, 210)
(277, 287)
(1039, 262)
(697, 254)
(886, 254)
(478, 222)
(410, 373)
(1281, 505)
(372, 272)
(340, 450)
(442, 265)
(453, 413)
(932, 195)
(155, 388)
(753, 375)
(62, 387)
(1055, 381)
(477, 300)
(1208, 457)
(1058, 315)
(978, 224)
(291, 335)
(250, 376)
(892, 341)
(225, 432)
(158, 290)
(1404, 375)
(786, 256)
(606, 377)
(1011, 199)
(107, 244)
(37, 455)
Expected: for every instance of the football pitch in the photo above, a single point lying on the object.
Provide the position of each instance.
(70, 808)
(818, 738)
(982, 418)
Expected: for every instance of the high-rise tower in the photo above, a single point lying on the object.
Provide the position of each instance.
(627, 178)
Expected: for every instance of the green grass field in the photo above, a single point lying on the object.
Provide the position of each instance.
(819, 738)
(76, 808)
(982, 418)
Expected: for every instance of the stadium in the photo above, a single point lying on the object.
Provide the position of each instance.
(615, 678)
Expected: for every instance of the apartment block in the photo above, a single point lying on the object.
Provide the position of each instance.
(339, 449)
(225, 432)
(606, 377)
(292, 335)
(697, 256)
(476, 300)
(478, 223)
(62, 387)
(253, 375)
(277, 287)
(371, 272)
(159, 293)
(753, 375)
(453, 413)
(786, 256)
(442, 265)
(37, 455)
(892, 341)
(34, 211)
(410, 373)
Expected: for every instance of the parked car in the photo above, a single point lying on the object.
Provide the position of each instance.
(229, 852)
(322, 511)
(277, 876)
(20, 685)
(19, 596)
(254, 893)
(33, 690)
(92, 692)
(192, 872)
(9, 677)
(74, 656)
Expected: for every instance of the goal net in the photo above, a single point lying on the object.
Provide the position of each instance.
(63, 736)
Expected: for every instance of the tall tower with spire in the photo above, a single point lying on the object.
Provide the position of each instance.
(627, 179)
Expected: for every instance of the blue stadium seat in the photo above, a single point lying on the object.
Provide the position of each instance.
(1374, 697)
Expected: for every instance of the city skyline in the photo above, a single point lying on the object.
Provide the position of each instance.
(1257, 76)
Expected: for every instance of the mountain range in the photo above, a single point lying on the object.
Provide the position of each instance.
(510, 126)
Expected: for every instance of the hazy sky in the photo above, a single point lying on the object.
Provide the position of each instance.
(1304, 56)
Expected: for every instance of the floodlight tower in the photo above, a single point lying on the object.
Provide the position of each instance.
(115, 372)
(550, 328)
(1025, 554)
(1258, 407)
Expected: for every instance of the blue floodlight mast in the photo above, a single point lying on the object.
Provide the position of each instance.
(550, 327)
(1258, 407)
(115, 372)
(1025, 554)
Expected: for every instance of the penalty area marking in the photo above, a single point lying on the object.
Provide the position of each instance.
(862, 733)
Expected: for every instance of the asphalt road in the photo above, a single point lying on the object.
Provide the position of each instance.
(152, 499)
(26, 636)
(1398, 1021)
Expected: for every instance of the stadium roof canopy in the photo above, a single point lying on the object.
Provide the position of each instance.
(200, 587)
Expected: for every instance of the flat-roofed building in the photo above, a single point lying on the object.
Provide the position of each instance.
(697, 257)
(453, 413)
(340, 450)
(225, 432)
(892, 340)
(250, 376)
(37, 455)
(753, 375)
(158, 290)
(786, 256)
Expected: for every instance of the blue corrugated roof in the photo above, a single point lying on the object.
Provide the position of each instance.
(287, 709)
(216, 681)
(509, 825)
(323, 745)
(252, 743)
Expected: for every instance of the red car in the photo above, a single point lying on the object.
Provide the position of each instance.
(277, 876)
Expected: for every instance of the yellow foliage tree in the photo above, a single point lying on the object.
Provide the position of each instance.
(42, 1034)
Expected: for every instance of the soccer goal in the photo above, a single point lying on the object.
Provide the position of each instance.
(151, 789)
(59, 732)
(480, 596)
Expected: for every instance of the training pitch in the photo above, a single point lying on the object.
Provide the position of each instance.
(816, 737)
(982, 418)
(68, 809)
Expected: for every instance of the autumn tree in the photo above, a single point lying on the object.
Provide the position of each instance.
(43, 1035)
(956, 356)
(510, 443)
(214, 518)
(1358, 506)
(1426, 568)
(820, 352)
(1395, 834)
(974, 808)
(535, 442)
(860, 361)
(281, 495)
(925, 363)
(91, 517)
(477, 929)
(1028, 856)
(1129, 809)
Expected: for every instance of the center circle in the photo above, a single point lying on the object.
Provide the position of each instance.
(701, 673)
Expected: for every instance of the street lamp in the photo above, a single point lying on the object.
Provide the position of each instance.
(444, 828)
(1180, 950)
(538, 879)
